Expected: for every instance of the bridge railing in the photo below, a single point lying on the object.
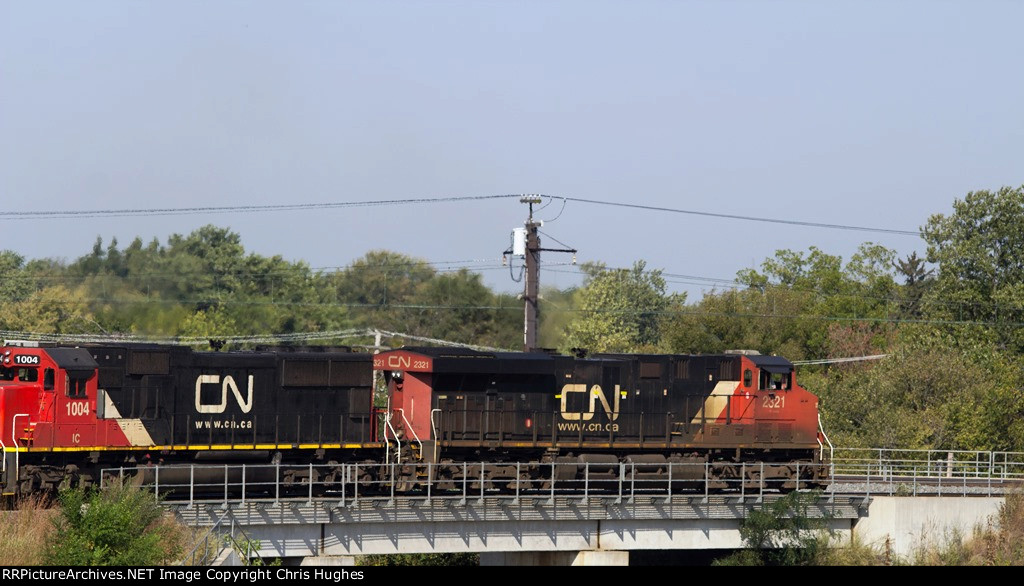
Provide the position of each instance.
(348, 483)
(926, 472)
(929, 463)
(858, 472)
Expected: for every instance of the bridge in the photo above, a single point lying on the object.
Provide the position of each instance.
(902, 497)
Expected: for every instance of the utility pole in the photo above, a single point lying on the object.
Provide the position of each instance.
(526, 243)
(531, 290)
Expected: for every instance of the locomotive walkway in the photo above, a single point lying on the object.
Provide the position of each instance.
(900, 497)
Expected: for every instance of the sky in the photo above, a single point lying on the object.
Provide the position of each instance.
(864, 113)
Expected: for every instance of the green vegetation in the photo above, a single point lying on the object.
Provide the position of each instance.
(783, 534)
(949, 319)
(429, 559)
(620, 310)
(119, 526)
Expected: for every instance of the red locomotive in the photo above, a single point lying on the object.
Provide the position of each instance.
(458, 405)
(68, 412)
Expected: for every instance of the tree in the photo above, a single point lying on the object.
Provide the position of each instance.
(420, 559)
(459, 307)
(15, 283)
(916, 282)
(979, 250)
(382, 277)
(788, 307)
(783, 534)
(620, 310)
(932, 392)
(54, 309)
(375, 284)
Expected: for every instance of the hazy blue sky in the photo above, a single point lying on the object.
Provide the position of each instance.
(867, 113)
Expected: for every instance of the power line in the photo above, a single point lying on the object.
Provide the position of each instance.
(741, 217)
(253, 208)
(234, 339)
(184, 211)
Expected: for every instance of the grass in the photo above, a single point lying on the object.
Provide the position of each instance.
(28, 530)
(24, 532)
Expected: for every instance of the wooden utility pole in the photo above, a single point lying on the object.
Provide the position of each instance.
(531, 290)
(526, 243)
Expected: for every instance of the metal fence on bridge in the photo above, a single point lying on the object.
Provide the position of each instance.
(926, 472)
(477, 480)
(854, 472)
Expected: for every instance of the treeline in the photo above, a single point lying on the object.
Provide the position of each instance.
(205, 285)
(947, 318)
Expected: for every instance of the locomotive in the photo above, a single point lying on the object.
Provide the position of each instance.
(67, 412)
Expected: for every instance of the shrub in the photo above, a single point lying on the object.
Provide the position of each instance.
(121, 525)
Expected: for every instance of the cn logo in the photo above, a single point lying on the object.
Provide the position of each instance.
(596, 394)
(396, 362)
(227, 383)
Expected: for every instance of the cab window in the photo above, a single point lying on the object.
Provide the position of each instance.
(48, 379)
(76, 388)
(775, 381)
(28, 375)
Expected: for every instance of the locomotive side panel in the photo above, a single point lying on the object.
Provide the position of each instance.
(172, 396)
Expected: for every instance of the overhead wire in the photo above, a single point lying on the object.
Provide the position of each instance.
(741, 217)
(259, 208)
(236, 209)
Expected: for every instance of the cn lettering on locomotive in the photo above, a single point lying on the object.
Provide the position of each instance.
(227, 384)
(596, 395)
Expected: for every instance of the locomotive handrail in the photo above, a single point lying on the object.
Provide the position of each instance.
(413, 431)
(14, 443)
(433, 431)
(831, 448)
(387, 444)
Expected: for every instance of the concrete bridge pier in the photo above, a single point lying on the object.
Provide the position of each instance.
(555, 558)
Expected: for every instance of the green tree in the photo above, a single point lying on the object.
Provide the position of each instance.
(917, 281)
(555, 314)
(979, 250)
(783, 534)
(789, 306)
(459, 307)
(424, 559)
(119, 526)
(932, 392)
(15, 283)
(620, 310)
(378, 287)
(54, 309)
